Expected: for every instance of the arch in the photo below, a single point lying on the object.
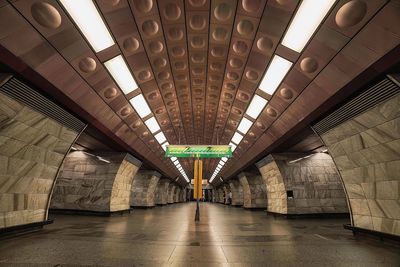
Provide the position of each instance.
(237, 192)
(162, 192)
(171, 193)
(254, 195)
(143, 188)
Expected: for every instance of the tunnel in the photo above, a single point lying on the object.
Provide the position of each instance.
(199, 133)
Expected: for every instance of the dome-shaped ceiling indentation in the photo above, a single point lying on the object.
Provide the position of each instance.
(265, 44)
(131, 44)
(150, 27)
(253, 135)
(145, 134)
(197, 81)
(237, 111)
(113, 2)
(223, 12)
(197, 3)
(198, 91)
(164, 75)
(46, 15)
(164, 122)
(180, 65)
(171, 103)
(178, 51)
(230, 86)
(156, 47)
(240, 47)
(197, 71)
(144, 6)
(198, 42)
(197, 22)
(144, 75)
(251, 75)
(160, 111)
(168, 95)
(228, 95)
(212, 96)
(272, 112)
(172, 11)
(160, 62)
(308, 65)
(235, 63)
(260, 125)
(87, 65)
(233, 76)
(251, 6)
(217, 52)
(175, 34)
(213, 88)
(166, 86)
(216, 66)
(243, 97)
(214, 77)
(153, 96)
(224, 110)
(181, 77)
(125, 111)
(351, 13)
(110, 93)
(225, 104)
(220, 34)
(245, 27)
(286, 93)
(136, 124)
(197, 58)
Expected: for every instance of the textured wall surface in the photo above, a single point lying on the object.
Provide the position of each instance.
(87, 183)
(237, 192)
(366, 150)
(171, 193)
(254, 193)
(143, 192)
(226, 189)
(220, 195)
(32, 148)
(162, 192)
(313, 179)
(177, 195)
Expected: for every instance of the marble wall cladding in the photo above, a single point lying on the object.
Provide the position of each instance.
(221, 195)
(366, 150)
(171, 193)
(254, 193)
(143, 191)
(32, 148)
(302, 184)
(162, 192)
(237, 192)
(226, 189)
(177, 195)
(87, 183)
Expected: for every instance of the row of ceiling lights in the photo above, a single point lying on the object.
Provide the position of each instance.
(305, 22)
(87, 18)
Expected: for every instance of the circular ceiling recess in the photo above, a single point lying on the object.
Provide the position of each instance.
(232, 76)
(166, 86)
(160, 62)
(197, 22)
(197, 3)
(152, 96)
(87, 65)
(197, 71)
(197, 58)
(264, 44)
(180, 65)
(197, 42)
(272, 112)
(245, 27)
(172, 11)
(164, 75)
(46, 15)
(136, 124)
(251, 6)
(237, 111)
(125, 111)
(286, 93)
(235, 63)
(175, 34)
(181, 77)
(144, 75)
(113, 2)
(230, 86)
(308, 65)
(220, 34)
(214, 77)
(160, 111)
(240, 47)
(243, 96)
(156, 47)
(223, 12)
(178, 51)
(251, 75)
(217, 52)
(150, 27)
(351, 13)
(215, 66)
(283, 2)
(110, 93)
(131, 44)
(168, 95)
(143, 5)
(228, 95)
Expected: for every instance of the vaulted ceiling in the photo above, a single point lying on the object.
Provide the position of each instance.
(199, 64)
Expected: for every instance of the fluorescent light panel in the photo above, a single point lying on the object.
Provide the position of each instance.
(152, 125)
(160, 137)
(140, 105)
(86, 16)
(256, 106)
(275, 73)
(121, 74)
(237, 137)
(307, 19)
(224, 159)
(233, 146)
(164, 146)
(244, 125)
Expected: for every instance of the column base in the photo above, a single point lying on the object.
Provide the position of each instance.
(142, 207)
(89, 212)
(24, 228)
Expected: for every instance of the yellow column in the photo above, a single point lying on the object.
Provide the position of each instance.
(198, 179)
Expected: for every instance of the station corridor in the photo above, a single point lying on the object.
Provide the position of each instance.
(168, 236)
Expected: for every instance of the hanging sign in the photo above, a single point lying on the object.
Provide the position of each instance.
(198, 151)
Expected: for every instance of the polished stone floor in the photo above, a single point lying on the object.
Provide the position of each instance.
(168, 236)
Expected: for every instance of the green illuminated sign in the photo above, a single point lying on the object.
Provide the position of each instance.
(188, 151)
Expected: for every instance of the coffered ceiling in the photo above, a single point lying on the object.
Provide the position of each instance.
(210, 71)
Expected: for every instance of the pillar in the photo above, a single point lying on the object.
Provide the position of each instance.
(226, 189)
(254, 195)
(237, 192)
(302, 184)
(221, 198)
(177, 194)
(162, 192)
(171, 193)
(144, 188)
(98, 183)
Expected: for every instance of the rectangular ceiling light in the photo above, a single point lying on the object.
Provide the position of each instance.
(307, 19)
(237, 137)
(256, 106)
(121, 74)
(173, 159)
(164, 146)
(275, 73)
(140, 105)
(87, 17)
(176, 163)
(244, 125)
(233, 146)
(160, 137)
(152, 125)
(224, 159)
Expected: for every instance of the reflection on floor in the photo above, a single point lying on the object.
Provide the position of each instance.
(168, 236)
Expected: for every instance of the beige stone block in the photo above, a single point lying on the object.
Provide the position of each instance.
(363, 221)
(388, 189)
(390, 207)
(6, 202)
(343, 163)
(375, 208)
(360, 207)
(359, 159)
(355, 191)
(11, 147)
